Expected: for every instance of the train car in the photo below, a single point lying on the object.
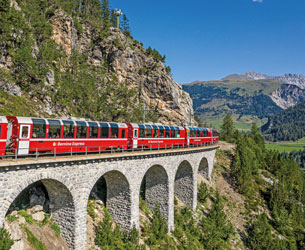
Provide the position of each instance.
(154, 136)
(197, 136)
(215, 136)
(3, 134)
(29, 135)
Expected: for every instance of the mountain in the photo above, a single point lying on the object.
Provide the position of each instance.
(248, 97)
(288, 125)
(65, 59)
(294, 79)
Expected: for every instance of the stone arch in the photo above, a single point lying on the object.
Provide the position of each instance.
(157, 189)
(118, 197)
(62, 204)
(184, 183)
(203, 168)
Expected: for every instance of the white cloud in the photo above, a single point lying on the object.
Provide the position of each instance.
(257, 1)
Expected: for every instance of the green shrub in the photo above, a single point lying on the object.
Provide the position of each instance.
(143, 207)
(28, 217)
(203, 193)
(5, 241)
(91, 209)
(11, 218)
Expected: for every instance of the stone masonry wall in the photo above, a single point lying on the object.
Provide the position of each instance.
(184, 187)
(69, 184)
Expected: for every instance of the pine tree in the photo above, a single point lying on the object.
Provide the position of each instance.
(217, 230)
(125, 25)
(259, 234)
(105, 11)
(255, 135)
(227, 129)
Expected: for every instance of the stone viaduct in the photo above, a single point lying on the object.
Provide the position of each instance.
(69, 182)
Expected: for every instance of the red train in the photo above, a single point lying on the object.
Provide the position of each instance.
(25, 135)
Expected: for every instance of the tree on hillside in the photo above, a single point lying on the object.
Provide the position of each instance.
(125, 25)
(106, 14)
(227, 129)
(216, 228)
(256, 136)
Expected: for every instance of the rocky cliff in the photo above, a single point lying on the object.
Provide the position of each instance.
(73, 65)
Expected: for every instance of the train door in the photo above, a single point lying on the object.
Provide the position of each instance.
(135, 137)
(24, 140)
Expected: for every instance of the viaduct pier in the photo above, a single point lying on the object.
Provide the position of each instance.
(69, 182)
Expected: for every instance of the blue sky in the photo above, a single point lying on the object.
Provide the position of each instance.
(209, 39)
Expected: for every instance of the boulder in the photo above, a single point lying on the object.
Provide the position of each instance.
(38, 216)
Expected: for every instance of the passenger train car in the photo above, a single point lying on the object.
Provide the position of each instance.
(25, 135)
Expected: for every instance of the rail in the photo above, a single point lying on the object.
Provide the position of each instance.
(86, 150)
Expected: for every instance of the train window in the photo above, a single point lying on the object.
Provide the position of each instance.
(114, 130)
(104, 130)
(172, 132)
(68, 129)
(161, 135)
(39, 128)
(0, 130)
(142, 132)
(81, 131)
(54, 128)
(123, 133)
(167, 133)
(155, 133)
(178, 133)
(25, 131)
(148, 132)
(93, 130)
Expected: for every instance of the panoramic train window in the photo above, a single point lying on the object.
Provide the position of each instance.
(148, 132)
(178, 133)
(142, 132)
(161, 135)
(104, 130)
(193, 132)
(68, 129)
(93, 130)
(39, 128)
(167, 133)
(172, 132)
(155, 132)
(114, 130)
(81, 131)
(54, 128)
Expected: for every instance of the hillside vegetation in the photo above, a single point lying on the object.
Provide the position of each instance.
(289, 125)
(66, 58)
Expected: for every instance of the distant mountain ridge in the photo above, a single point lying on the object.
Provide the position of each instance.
(294, 79)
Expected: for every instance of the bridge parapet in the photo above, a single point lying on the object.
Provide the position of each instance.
(69, 182)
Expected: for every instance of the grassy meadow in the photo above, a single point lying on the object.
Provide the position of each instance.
(287, 146)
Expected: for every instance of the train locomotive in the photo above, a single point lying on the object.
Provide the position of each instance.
(26, 135)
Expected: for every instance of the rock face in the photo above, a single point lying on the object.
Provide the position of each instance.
(288, 96)
(114, 54)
